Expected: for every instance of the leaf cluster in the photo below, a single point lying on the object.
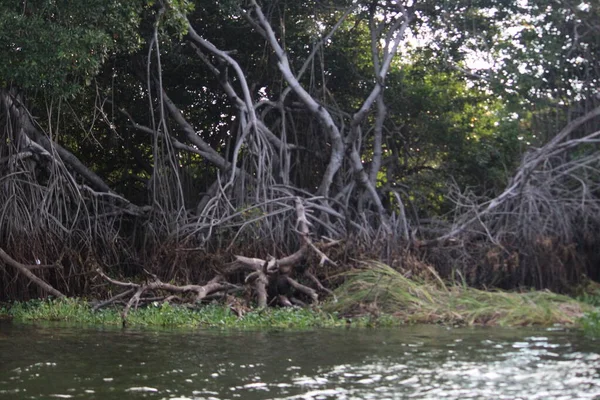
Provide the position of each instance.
(47, 46)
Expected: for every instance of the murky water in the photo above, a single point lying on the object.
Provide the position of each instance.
(421, 362)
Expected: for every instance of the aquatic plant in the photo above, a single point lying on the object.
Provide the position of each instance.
(162, 314)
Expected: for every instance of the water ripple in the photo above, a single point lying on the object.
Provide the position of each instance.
(407, 363)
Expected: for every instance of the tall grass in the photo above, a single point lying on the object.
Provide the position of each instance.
(379, 289)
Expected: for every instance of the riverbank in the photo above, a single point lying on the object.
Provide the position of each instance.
(381, 290)
(569, 313)
(376, 295)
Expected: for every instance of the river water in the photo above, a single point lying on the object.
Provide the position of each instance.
(417, 362)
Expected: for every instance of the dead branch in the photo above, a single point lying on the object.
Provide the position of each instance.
(260, 285)
(319, 285)
(112, 299)
(26, 270)
(116, 282)
(201, 291)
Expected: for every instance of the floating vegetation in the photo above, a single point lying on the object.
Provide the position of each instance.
(79, 311)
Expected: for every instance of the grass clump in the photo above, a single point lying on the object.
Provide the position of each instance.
(589, 293)
(379, 289)
(590, 323)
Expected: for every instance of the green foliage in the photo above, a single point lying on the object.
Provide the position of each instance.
(592, 299)
(67, 310)
(552, 53)
(374, 296)
(445, 128)
(59, 47)
(590, 323)
(4, 312)
(173, 20)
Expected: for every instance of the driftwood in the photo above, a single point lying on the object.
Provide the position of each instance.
(277, 271)
(136, 291)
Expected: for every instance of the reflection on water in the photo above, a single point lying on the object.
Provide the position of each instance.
(420, 362)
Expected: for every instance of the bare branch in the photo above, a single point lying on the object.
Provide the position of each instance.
(26, 270)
